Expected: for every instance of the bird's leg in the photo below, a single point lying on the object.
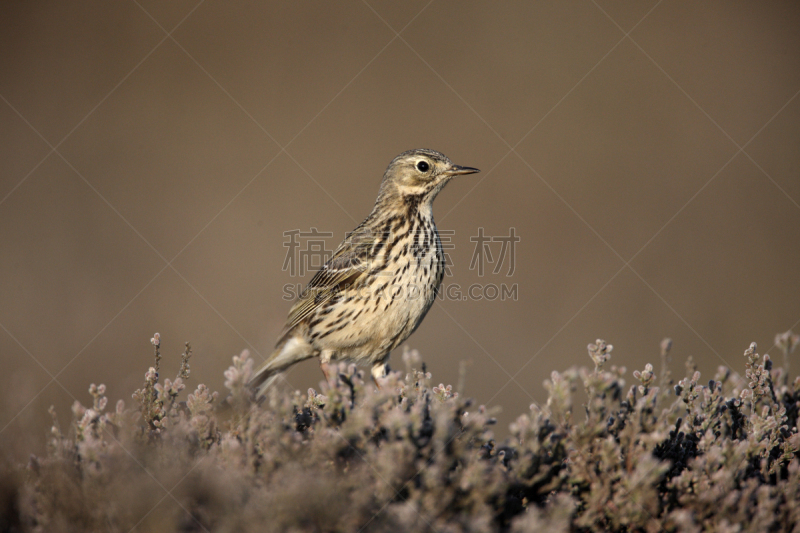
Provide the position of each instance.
(379, 372)
(326, 370)
(324, 364)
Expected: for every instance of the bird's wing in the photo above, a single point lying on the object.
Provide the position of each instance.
(349, 262)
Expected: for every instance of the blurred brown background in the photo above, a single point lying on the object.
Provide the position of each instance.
(154, 153)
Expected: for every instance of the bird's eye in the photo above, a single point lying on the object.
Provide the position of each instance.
(423, 166)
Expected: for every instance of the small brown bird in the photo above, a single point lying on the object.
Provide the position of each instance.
(380, 282)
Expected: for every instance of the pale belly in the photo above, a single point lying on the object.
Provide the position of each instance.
(367, 324)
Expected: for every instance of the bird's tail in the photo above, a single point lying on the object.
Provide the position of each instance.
(288, 352)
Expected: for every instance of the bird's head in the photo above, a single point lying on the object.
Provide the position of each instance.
(419, 174)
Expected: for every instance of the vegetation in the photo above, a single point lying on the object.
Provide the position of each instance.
(718, 456)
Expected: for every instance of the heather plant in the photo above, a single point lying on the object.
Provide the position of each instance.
(650, 456)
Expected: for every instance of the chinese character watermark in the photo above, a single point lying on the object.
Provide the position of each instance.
(306, 251)
(309, 251)
(483, 251)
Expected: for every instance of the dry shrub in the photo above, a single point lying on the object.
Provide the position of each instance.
(719, 456)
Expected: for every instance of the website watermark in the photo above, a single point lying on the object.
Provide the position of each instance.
(452, 292)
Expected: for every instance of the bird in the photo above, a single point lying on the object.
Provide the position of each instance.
(380, 282)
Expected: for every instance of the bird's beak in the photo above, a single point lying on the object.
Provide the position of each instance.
(456, 170)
